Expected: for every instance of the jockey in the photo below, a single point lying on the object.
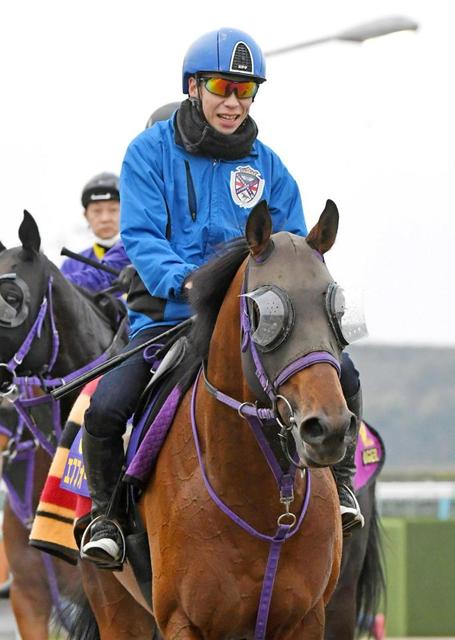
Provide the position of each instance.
(187, 185)
(101, 201)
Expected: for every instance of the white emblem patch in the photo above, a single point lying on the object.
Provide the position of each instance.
(246, 186)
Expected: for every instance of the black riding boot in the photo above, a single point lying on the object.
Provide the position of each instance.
(344, 471)
(103, 542)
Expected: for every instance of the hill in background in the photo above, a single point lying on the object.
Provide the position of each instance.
(409, 396)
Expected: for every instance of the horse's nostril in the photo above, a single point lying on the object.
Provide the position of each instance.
(311, 429)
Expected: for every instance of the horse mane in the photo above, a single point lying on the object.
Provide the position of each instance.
(105, 306)
(94, 298)
(210, 285)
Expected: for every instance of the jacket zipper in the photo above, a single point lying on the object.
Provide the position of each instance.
(192, 202)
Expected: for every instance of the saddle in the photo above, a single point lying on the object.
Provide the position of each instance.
(172, 358)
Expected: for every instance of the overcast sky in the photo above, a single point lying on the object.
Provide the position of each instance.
(370, 126)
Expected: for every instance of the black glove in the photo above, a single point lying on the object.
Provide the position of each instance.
(125, 277)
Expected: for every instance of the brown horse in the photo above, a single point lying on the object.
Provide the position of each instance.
(67, 330)
(214, 514)
(39, 582)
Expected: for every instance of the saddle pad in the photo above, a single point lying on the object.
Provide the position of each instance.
(369, 456)
(143, 461)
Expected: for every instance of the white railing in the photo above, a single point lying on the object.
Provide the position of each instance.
(442, 493)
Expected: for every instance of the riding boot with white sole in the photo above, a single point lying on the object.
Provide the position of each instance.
(103, 542)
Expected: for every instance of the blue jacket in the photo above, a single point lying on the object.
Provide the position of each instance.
(177, 207)
(91, 278)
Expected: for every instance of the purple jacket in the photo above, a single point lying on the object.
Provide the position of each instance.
(91, 278)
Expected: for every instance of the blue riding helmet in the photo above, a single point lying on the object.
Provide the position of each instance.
(229, 51)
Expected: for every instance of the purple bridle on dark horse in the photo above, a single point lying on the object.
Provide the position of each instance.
(288, 524)
(14, 394)
(20, 396)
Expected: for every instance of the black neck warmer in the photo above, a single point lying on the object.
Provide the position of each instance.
(194, 133)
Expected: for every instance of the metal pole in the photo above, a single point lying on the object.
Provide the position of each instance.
(92, 263)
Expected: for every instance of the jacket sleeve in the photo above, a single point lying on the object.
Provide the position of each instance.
(89, 278)
(285, 198)
(83, 275)
(144, 220)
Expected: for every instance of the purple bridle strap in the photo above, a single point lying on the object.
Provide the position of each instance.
(255, 416)
(246, 409)
(35, 332)
(283, 532)
(237, 519)
(269, 581)
(247, 342)
(5, 430)
(21, 502)
(21, 406)
(315, 357)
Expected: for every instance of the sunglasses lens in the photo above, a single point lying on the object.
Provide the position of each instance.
(217, 86)
(246, 89)
(224, 88)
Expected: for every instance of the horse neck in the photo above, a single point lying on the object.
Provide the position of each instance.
(231, 450)
(83, 332)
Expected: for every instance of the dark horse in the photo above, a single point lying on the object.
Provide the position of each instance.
(224, 500)
(357, 598)
(48, 328)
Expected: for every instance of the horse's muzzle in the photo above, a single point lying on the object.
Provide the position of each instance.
(324, 439)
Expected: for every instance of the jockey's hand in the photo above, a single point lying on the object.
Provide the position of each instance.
(125, 277)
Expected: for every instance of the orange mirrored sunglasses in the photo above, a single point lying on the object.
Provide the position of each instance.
(224, 88)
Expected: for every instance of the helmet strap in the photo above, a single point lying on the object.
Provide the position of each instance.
(197, 102)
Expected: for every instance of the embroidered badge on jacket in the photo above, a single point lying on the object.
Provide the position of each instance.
(246, 186)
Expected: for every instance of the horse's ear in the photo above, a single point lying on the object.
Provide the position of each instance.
(258, 229)
(29, 234)
(323, 234)
(2, 246)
